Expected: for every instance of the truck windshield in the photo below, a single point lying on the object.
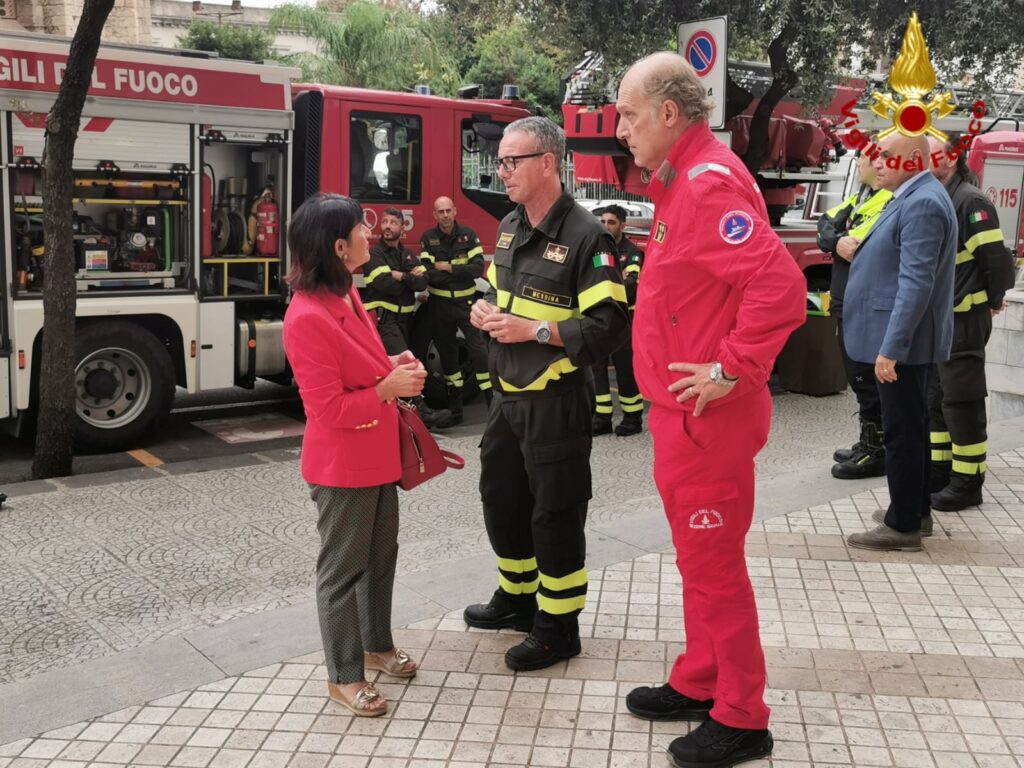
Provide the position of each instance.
(479, 152)
(386, 157)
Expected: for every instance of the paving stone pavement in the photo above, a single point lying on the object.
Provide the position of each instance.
(89, 571)
(874, 659)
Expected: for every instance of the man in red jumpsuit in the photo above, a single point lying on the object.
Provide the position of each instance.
(719, 297)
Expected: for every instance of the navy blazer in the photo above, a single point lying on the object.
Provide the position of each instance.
(899, 301)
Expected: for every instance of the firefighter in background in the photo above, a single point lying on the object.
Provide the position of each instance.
(984, 272)
(628, 260)
(840, 231)
(454, 260)
(393, 276)
(556, 307)
(719, 298)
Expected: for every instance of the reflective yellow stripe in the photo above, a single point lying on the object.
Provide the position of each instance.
(396, 308)
(969, 468)
(517, 566)
(504, 297)
(459, 261)
(451, 294)
(940, 437)
(606, 289)
(492, 275)
(518, 588)
(574, 579)
(850, 201)
(631, 407)
(634, 399)
(604, 398)
(977, 449)
(537, 311)
(377, 273)
(942, 455)
(964, 256)
(970, 300)
(604, 410)
(425, 256)
(981, 238)
(485, 385)
(554, 372)
(557, 606)
(483, 376)
(474, 252)
(631, 268)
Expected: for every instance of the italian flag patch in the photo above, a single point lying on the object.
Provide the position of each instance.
(979, 216)
(603, 259)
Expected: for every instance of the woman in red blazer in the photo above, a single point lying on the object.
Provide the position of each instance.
(350, 454)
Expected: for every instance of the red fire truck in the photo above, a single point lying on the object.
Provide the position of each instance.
(186, 169)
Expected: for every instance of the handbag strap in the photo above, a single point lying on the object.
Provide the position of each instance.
(453, 460)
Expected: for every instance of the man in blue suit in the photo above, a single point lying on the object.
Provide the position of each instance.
(898, 314)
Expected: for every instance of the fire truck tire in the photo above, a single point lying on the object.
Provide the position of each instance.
(124, 381)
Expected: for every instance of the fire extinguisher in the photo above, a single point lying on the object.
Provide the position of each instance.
(267, 234)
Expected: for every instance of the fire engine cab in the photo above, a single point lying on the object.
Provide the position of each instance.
(185, 171)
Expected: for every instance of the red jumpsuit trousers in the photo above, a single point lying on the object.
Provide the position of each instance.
(704, 470)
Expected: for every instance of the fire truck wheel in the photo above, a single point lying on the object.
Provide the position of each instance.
(124, 381)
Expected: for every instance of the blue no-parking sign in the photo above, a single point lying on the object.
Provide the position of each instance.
(704, 44)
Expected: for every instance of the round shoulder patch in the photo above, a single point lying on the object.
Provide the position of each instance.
(736, 227)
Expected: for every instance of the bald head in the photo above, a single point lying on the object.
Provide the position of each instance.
(660, 96)
(444, 213)
(900, 158)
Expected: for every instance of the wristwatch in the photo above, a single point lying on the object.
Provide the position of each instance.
(543, 332)
(717, 375)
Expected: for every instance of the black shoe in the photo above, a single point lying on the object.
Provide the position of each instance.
(502, 612)
(963, 491)
(631, 424)
(453, 419)
(845, 454)
(714, 745)
(665, 703)
(863, 464)
(536, 654)
(433, 418)
(602, 425)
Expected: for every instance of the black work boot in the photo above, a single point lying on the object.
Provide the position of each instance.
(963, 491)
(550, 642)
(938, 475)
(631, 424)
(455, 408)
(602, 425)
(869, 461)
(666, 703)
(431, 416)
(845, 454)
(714, 745)
(504, 611)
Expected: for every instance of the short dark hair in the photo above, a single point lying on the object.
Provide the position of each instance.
(392, 212)
(315, 227)
(615, 210)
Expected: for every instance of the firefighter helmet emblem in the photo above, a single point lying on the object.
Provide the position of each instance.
(913, 77)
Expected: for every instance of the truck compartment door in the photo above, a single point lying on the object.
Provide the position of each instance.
(1004, 185)
(216, 344)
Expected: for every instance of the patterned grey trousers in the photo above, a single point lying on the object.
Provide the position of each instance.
(355, 574)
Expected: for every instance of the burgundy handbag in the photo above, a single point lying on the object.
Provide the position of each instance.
(422, 458)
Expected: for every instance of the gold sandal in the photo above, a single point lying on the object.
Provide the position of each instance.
(394, 666)
(359, 705)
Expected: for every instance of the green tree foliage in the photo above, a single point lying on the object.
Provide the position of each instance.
(231, 42)
(809, 43)
(508, 54)
(369, 45)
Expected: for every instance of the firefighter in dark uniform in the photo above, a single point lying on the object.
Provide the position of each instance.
(393, 276)
(454, 260)
(984, 272)
(840, 230)
(557, 306)
(629, 260)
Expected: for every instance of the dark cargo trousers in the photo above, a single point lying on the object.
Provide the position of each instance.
(535, 484)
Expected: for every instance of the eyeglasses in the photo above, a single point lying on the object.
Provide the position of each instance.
(508, 164)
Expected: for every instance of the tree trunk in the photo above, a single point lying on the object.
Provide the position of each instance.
(55, 430)
(783, 81)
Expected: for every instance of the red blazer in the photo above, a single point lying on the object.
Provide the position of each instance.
(351, 438)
